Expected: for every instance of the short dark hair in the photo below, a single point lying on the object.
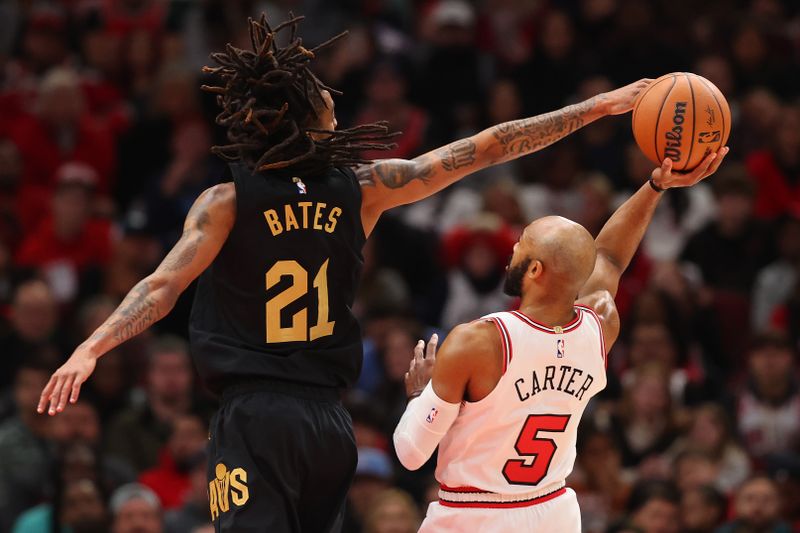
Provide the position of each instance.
(167, 344)
(773, 338)
(712, 496)
(691, 453)
(646, 491)
(38, 359)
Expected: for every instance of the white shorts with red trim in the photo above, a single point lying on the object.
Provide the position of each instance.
(555, 511)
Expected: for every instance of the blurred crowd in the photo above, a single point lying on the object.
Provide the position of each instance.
(104, 145)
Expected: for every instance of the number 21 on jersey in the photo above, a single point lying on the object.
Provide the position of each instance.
(298, 331)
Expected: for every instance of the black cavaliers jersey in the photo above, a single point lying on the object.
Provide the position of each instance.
(275, 303)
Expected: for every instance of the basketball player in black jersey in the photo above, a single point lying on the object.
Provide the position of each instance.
(278, 253)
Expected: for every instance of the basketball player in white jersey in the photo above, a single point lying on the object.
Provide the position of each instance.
(507, 391)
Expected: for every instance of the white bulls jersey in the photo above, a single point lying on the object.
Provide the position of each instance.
(518, 443)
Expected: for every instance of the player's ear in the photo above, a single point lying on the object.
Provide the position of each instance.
(535, 269)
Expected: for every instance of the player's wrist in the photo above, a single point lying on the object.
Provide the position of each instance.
(602, 105)
(659, 188)
(414, 394)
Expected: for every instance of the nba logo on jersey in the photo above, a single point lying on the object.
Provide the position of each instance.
(560, 348)
(300, 185)
(432, 415)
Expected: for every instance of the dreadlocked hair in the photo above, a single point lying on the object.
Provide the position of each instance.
(270, 103)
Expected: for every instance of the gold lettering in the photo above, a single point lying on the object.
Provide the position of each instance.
(333, 218)
(212, 500)
(297, 330)
(239, 492)
(305, 206)
(222, 481)
(290, 219)
(318, 215)
(273, 221)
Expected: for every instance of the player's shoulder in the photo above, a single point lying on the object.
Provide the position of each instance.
(475, 339)
(220, 197)
(217, 204)
(469, 350)
(221, 193)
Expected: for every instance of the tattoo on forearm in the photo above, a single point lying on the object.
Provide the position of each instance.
(524, 136)
(459, 154)
(139, 317)
(135, 314)
(395, 174)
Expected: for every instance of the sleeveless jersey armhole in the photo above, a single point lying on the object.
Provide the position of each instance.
(603, 353)
(350, 174)
(239, 176)
(505, 340)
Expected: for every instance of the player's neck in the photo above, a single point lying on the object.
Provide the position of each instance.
(548, 312)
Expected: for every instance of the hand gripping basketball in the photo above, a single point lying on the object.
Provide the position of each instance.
(665, 178)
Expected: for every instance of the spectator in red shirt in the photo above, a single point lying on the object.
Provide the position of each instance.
(777, 170)
(61, 131)
(69, 244)
(171, 479)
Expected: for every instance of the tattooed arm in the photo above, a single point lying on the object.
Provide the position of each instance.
(391, 182)
(204, 232)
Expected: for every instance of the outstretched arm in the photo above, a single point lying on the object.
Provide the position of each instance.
(391, 182)
(620, 237)
(206, 227)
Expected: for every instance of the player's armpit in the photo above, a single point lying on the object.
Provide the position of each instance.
(602, 303)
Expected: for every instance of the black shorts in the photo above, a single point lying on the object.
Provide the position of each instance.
(281, 459)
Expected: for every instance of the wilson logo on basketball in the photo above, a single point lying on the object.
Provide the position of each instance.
(675, 135)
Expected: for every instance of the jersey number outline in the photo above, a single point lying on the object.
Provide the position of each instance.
(529, 444)
(299, 330)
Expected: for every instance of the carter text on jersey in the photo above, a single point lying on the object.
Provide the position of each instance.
(566, 376)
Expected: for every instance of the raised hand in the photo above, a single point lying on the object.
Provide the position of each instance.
(621, 100)
(419, 372)
(65, 383)
(664, 178)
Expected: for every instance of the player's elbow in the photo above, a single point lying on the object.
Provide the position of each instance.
(407, 453)
(162, 288)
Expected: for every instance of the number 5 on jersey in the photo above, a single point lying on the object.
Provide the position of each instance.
(530, 444)
(298, 331)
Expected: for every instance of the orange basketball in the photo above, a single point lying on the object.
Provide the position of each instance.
(683, 117)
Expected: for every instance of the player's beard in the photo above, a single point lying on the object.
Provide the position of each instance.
(514, 275)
